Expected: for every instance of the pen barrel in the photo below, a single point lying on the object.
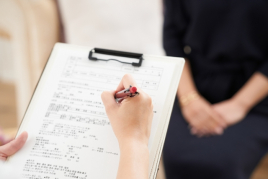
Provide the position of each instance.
(123, 94)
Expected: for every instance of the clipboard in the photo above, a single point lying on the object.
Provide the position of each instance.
(116, 53)
(67, 97)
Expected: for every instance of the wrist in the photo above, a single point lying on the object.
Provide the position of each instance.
(133, 144)
(241, 103)
(184, 90)
(189, 97)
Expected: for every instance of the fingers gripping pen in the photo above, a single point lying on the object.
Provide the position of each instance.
(129, 92)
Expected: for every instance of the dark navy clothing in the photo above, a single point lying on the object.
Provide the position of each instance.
(226, 41)
(233, 155)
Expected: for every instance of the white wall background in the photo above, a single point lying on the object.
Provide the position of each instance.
(134, 26)
(7, 72)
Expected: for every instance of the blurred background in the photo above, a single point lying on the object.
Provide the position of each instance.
(30, 28)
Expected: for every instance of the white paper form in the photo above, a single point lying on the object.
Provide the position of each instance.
(70, 135)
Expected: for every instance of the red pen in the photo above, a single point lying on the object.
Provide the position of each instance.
(129, 92)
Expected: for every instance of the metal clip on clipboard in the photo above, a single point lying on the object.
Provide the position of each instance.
(116, 53)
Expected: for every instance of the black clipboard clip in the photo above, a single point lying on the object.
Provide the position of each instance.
(116, 53)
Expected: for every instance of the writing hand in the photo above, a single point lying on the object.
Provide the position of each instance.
(131, 122)
(132, 118)
(13, 146)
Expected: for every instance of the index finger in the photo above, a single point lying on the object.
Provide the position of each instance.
(125, 82)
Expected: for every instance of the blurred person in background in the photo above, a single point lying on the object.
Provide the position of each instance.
(219, 123)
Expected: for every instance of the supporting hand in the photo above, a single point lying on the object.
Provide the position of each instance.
(13, 146)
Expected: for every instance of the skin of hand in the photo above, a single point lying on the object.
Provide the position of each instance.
(3, 139)
(13, 146)
(236, 108)
(202, 118)
(230, 111)
(131, 122)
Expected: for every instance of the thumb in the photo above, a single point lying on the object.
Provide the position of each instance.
(15, 145)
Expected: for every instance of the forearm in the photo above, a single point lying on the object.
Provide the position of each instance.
(134, 161)
(252, 92)
(186, 83)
